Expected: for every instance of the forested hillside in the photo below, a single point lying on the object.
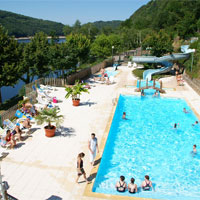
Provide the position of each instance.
(181, 17)
(112, 24)
(22, 26)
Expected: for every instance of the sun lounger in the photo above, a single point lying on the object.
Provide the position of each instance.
(129, 64)
(44, 87)
(8, 124)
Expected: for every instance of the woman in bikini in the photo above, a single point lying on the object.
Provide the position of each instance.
(146, 184)
(121, 184)
(10, 139)
(80, 169)
(132, 187)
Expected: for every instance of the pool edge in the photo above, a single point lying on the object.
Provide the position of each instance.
(88, 188)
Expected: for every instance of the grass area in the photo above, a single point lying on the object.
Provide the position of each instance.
(9, 103)
(139, 74)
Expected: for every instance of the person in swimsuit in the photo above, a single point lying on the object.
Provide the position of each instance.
(176, 125)
(185, 111)
(142, 93)
(132, 187)
(194, 149)
(27, 123)
(10, 139)
(155, 94)
(146, 184)
(80, 169)
(17, 132)
(124, 115)
(121, 184)
(93, 148)
(196, 122)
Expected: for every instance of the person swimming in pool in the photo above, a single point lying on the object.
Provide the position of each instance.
(121, 184)
(142, 93)
(146, 184)
(194, 151)
(132, 187)
(124, 115)
(176, 125)
(185, 111)
(196, 122)
(155, 94)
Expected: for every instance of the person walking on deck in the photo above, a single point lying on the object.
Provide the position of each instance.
(93, 148)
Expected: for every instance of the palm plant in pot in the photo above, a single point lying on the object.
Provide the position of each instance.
(49, 115)
(75, 92)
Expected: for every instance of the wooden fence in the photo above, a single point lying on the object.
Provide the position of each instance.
(61, 82)
(194, 83)
(8, 114)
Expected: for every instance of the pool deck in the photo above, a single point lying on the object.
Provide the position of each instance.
(44, 168)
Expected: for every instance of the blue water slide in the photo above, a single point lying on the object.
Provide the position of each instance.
(164, 60)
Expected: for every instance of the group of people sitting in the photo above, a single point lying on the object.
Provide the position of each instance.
(16, 134)
(121, 185)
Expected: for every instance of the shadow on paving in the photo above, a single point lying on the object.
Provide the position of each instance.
(65, 132)
(87, 103)
(10, 197)
(28, 135)
(96, 162)
(18, 145)
(3, 155)
(53, 197)
(91, 177)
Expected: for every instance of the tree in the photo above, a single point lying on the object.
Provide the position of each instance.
(67, 29)
(9, 59)
(76, 26)
(160, 43)
(60, 58)
(78, 47)
(102, 46)
(34, 61)
(89, 30)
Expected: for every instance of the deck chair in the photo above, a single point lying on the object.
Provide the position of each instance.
(8, 124)
(44, 87)
(45, 95)
(42, 101)
(129, 64)
(112, 79)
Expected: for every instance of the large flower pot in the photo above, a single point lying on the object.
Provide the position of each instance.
(76, 102)
(50, 132)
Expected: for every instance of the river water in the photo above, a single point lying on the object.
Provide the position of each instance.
(9, 92)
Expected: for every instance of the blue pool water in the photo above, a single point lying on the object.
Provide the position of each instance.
(150, 83)
(110, 73)
(147, 144)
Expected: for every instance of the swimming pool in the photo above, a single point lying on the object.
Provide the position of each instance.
(110, 73)
(146, 143)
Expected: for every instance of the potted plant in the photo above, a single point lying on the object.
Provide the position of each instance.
(75, 92)
(49, 115)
